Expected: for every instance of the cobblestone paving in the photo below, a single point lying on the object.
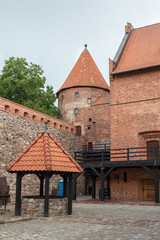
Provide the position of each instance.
(91, 221)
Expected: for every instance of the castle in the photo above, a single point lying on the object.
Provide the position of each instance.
(113, 131)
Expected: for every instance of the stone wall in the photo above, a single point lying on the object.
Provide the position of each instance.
(15, 134)
(35, 207)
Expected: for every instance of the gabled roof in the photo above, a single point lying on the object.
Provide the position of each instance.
(44, 153)
(142, 49)
(85, 73)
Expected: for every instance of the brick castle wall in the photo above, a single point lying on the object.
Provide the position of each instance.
(93, 119)
(135, 108)
(28, 113)
(133, 188)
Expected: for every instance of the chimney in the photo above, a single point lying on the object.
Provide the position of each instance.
(128, 27)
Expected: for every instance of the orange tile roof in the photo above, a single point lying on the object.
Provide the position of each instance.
(102, 100)
(44, 153)
(142, 49)
(85, 73)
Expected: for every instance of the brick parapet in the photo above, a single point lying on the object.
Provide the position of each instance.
(25, 112)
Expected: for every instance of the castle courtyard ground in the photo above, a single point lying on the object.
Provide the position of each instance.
(90, 221)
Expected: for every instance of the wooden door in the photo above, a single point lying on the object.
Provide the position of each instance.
(148, 190)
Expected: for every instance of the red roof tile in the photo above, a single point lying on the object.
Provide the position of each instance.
(85, 73)
(142, 49)
(103, 100)
(44, 153)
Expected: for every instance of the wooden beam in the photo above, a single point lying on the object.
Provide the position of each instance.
(46, 200)
(70, 195)
(74, 186)
(64, 185)
(102, 178)
(108, 172)
(18, 194)
(41, 185)
(93, 187)
(148, 170)
(96, 172)
(86, 178)
(156, 173)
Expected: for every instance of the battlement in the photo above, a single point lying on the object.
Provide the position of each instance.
(25, 112)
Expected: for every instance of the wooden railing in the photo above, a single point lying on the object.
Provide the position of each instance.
(127, 154)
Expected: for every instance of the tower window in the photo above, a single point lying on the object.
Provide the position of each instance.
(89, 100)
(90, 119)
(89, 128)
(76, 94)
(76, 110)
(78, 130)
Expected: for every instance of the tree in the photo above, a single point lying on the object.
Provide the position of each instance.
(24, 83)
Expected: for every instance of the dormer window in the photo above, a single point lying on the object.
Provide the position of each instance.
(76, 110)
(89, 100)
(76, 94)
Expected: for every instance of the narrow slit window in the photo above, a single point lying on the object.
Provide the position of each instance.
(76, 110)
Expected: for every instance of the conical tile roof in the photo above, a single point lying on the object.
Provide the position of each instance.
(44, 153)
(85, 73)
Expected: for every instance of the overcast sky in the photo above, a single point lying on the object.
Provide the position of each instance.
(52, 33)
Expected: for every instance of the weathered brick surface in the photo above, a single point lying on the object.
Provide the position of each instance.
(135, 108)
(132, 189)
(94, 119)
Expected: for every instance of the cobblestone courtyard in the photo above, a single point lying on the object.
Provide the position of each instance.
(91, 221)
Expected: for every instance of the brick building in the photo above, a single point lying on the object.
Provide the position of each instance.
(135, 108)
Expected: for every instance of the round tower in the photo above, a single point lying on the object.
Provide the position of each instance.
(82, 89)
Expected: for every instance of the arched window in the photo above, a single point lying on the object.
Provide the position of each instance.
(152, 150)
(76, 94)
(76, 110)
(89, 100)
(78, 130)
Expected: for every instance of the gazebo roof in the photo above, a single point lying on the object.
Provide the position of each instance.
(44, 153)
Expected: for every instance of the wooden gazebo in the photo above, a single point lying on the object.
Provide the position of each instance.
(44, 157)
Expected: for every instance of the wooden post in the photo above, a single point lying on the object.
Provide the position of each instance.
(156, 185)
(85, 184)
(41, 185)
(70, 195)
(18, 194)
(93, 187)
(46, 202)
(74, 187)
(64, 185)
(102, 185)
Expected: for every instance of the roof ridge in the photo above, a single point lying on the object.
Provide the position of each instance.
(147, 26)
(47, 152)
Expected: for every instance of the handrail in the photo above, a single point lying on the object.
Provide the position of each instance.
(123, 154)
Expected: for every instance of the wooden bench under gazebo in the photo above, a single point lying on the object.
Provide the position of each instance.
(44, 157)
